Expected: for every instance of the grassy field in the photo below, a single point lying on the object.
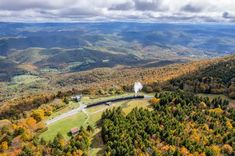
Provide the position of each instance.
(211, 96)
(64, 126)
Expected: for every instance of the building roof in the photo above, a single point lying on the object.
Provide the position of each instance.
(74, 130)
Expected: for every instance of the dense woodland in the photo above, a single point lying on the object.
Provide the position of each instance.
(219, 78)
(181, 124)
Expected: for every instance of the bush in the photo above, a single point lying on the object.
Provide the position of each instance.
(148, 89)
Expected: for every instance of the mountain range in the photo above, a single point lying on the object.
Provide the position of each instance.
(34, 54)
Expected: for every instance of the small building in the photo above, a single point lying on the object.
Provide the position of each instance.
(77, 98)
(74, 130)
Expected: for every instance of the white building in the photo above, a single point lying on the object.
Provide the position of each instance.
(77, 97)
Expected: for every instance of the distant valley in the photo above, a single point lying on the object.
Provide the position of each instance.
(35, 55)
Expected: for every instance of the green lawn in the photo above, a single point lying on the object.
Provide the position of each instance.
(64, 126)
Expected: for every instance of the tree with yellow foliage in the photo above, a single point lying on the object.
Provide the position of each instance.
(229, 124)
(27, 135)
(215, 149)
(4, 146)
(38, 114)
(47, 110)
(195, 136)
(216, 110)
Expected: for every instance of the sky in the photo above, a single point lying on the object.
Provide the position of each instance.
(222, 11)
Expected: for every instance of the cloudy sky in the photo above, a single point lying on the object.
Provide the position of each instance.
(118, 10)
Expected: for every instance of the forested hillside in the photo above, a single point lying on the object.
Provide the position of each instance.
(206, 76)
(181, 124)
(218, 78)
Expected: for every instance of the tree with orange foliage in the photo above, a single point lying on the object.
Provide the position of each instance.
(31, 122)
(154, 101)
(184, 151)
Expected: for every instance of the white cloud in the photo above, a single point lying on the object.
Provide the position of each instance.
(142, 10)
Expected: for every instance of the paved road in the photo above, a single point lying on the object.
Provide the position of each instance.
(67, 114)
(148, 96)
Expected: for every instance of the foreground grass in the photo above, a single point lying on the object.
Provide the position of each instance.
(64, 126)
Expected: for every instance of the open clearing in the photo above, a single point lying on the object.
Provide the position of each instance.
(89, 116)
(63, 126)
(26, 79)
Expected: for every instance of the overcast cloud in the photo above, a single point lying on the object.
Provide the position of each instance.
(112, 10)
